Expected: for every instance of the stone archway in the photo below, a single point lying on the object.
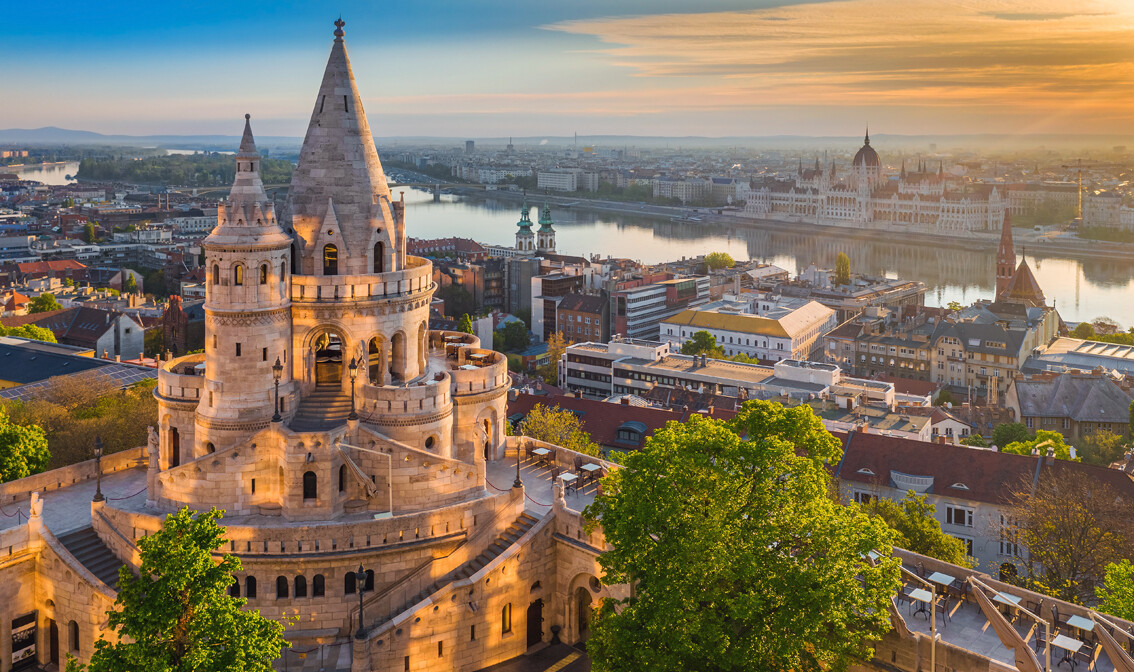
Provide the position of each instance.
(327, 350)
(582, 606)
(377, 360)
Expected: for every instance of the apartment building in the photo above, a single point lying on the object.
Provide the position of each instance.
(638, 312)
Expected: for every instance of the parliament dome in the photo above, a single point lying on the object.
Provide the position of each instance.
(866, 156)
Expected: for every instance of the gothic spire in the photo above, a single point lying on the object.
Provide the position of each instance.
(247, 217)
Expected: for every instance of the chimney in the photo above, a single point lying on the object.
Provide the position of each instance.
(118, 358)
(578, 394)
(625, 401)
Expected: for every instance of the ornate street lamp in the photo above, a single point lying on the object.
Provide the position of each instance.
(98, 497)
(519, 450)
(277, 373)
(360, 581)
(353, 368)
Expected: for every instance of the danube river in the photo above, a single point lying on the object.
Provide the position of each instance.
(1081, 289)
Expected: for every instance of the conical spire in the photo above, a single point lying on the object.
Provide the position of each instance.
(525, 222)
(339, 168)
(247, 217)
(545, 218)
(867, 141)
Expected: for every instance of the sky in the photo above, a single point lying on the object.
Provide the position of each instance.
(478, 68)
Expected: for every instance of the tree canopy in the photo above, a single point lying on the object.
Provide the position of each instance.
(31, 331)
(975, 440)
(176, 614)
(560, 427)
(719, 260)
(465, 324)
(43, 303)
(1073, 526)
(917, 529)
(702, 343)
(1116, 595)
(842, 269)
(1009, 432)
(739, 557)
(1043, 441)
(1101, 447)
(556, 346)
(512, 336)
(23, 449)
(130, 285)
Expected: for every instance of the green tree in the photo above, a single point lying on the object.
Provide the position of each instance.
(556, 346)
(155, 341)
(739, 557)
(1084, 330)
(842, 269)
(31, 331)
(975, 440)
(90, 234)
(1009, 432)
(1101, 447)
(917, 529)
(176, 614)
(43, 303)
(1044, 441)
(130, 286)
(1116, 595)
(744, 359)
(702, 343)
(23, 449)
(465, 324)
(457, 300)
(955, 306)
(558, 426)
(718, 260)
(512, 336)
(943, 397)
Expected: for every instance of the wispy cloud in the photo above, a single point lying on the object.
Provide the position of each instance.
(1011, 65)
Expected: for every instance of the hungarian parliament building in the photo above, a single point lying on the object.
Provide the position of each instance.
(923, 199)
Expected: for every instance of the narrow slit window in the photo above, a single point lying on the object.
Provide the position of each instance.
(346, 105)
(321, 102)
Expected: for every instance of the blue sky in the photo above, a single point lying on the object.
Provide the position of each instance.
(649, 67)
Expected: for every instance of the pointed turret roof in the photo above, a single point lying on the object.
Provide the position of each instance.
(545, 218)
(338, 165)
(525, 222)
(1025, 288)
(248, 216)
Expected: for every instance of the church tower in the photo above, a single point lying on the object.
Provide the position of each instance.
(546, 232)
(525, 239)
(1005, 258)
(247, 309)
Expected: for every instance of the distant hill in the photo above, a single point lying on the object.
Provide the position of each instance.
(52, 135)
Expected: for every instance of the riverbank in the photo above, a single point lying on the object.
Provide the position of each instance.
(1042, 244)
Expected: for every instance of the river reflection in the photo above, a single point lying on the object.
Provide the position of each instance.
(1082, 290)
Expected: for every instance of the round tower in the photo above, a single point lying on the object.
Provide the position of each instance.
(247, 310)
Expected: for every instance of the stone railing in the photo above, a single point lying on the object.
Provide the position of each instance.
(564, 458)
(426, 396)
(63, 477)
(416, 278)
(440, 339)
(15, 540)
(179, 380)
(121, 529)
(474, 370)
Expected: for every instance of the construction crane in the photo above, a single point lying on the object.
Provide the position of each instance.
(1079, 166)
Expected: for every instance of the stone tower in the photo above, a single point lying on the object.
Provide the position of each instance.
(525, 239)
(1005, 258)
(247, 309)
(546, 234)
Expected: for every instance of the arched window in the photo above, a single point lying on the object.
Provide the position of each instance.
(310, 487)
(506, 618)
(349, 583)
(238, 275)
(318, 586)
(250, 587)
(209, 447)
(300, 586)
(379, 257)
(294, 260)
(281, 587)
(342, 478)
(216, 274)
(234, 589)
(263, 274)
(73, 635)
(283, 271)
(330, 260)
(369, 580)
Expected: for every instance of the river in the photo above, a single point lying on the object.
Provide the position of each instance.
(48, 173)
(1081, 289)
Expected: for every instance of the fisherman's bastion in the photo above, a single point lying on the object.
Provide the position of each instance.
(338, 433)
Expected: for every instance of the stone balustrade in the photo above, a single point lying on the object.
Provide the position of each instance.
(63, 477)
(416, 278)
(429, 395)
(180, 380)
(475, 370)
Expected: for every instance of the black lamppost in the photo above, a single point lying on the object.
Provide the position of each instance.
(519, 450)
(98, 497)
(353, 368)
(360, 581)
(277, 373)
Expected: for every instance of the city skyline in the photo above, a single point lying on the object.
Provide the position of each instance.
(498, 69)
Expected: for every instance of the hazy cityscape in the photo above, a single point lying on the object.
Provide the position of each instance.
(721, 373)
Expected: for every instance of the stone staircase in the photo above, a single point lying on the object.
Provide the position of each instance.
(91, 553)
(325, 408)
(516, 530)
